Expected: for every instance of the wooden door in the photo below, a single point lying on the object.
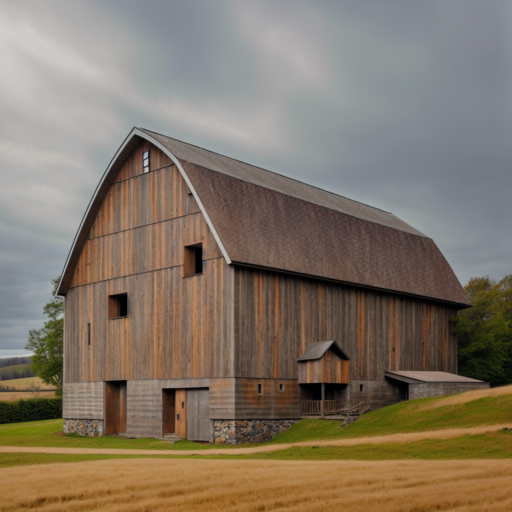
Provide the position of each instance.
(199, 425)
(115, 407)
(181, 413)
(169, 411)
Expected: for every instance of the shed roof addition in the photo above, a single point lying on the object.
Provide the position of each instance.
(262, 219)
(317, 351)
(407, 376)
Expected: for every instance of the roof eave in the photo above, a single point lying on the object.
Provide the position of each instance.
(459, 305)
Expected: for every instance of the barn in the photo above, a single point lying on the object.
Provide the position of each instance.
(209, 299)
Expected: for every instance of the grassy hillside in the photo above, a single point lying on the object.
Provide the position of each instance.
(18, 371)
(414, 416)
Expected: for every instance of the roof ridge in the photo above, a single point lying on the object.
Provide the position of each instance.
(272, 172)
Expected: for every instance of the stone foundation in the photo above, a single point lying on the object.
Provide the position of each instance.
(248, 431)
(84, 428)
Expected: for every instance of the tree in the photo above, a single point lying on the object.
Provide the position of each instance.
(47, 343)
(484, 332)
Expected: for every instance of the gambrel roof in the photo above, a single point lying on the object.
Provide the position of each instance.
(265, 220)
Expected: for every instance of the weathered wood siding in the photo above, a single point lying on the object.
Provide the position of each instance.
(278, 315)
(83, 400)
(199, 425)
(133, 166)
(176, 327)
(271, 403)
(328, 369)
(144, 404)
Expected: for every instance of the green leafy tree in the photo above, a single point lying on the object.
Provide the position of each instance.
(47, 343)
(484, 332)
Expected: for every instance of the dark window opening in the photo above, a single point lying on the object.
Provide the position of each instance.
(361, 388)
(183, 405)
(118, 305)
(193, 263)
(89, 334)
(145, 161)
(178, 418)
(281, 387)
(259, 389)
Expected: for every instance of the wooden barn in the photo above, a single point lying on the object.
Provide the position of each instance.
(210, 299)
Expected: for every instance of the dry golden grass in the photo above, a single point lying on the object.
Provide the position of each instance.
(247, 486)
(12, 396)
(26, 383)
(468, 396)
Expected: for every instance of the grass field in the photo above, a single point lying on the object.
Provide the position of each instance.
(415, 416)
(492, 445)
(247, 486)
(12, 396)
(468, 473)
(25, 388)
(26, 383)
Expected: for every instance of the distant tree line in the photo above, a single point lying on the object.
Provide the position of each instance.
(20, 371)
(484, 332)
(13, 361)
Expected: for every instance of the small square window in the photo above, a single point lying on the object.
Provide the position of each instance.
(361, 388)
(118, 305)
(259, 389)
(281, 388)
(193, 263)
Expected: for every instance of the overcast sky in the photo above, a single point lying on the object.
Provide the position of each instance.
(403, 105)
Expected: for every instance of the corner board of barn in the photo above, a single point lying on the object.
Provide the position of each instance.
(211, 300)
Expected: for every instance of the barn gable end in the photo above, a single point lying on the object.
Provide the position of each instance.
(136, 246)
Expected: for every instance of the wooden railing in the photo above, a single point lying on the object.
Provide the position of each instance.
(321, 407)
(351, 414)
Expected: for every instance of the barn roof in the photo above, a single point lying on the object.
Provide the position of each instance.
(411, 377)
(317, 351)
(262, 219)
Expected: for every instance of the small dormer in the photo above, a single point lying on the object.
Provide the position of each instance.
(324, 363)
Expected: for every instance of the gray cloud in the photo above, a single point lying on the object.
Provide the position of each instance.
(403, 105)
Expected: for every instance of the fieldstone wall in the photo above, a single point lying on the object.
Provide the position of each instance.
(84, 428)
(248, 431)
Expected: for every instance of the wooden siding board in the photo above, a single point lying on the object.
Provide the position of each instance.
(176, 327)
(366, 324)
(83, 400)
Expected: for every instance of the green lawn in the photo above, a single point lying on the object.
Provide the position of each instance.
(492, 445)
(398, 418)
(49, 433)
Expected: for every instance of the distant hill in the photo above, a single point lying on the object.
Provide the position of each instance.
(19, 371)
(15, 361)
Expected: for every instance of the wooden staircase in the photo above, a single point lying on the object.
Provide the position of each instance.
(351, 414)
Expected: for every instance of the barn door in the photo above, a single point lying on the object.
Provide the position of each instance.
(181, 413)
(169, 411)
(199, 425)
(115, 407)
